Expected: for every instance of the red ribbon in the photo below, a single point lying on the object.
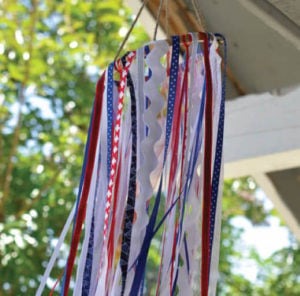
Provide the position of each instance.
(205, 254)
(87, 181)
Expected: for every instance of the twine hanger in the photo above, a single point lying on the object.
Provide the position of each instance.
(196, 10)
(185, 36)
(197, 13)
(130, 29)
(158, 17)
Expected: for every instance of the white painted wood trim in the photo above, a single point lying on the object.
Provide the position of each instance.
(263, 164)
(261, 125)
(287, 215)
(255, 7)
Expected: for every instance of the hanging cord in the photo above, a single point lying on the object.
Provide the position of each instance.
(157, 18)
(167, 18)
(131, 28)
(197, 12)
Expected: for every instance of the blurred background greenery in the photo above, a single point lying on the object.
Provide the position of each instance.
(51, 55)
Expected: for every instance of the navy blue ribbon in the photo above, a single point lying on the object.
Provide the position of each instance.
(129, 211)
(219, 150)
(110, 98)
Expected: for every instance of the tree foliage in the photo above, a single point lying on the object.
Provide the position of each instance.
(277, 275)
(51, 54)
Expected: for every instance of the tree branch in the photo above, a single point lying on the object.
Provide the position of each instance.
(15, 142)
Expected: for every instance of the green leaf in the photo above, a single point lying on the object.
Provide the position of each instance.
(16, 72)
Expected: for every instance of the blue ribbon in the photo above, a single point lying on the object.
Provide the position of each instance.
(219, 150)
(110, 98)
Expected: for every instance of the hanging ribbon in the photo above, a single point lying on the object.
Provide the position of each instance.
(153, 159)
